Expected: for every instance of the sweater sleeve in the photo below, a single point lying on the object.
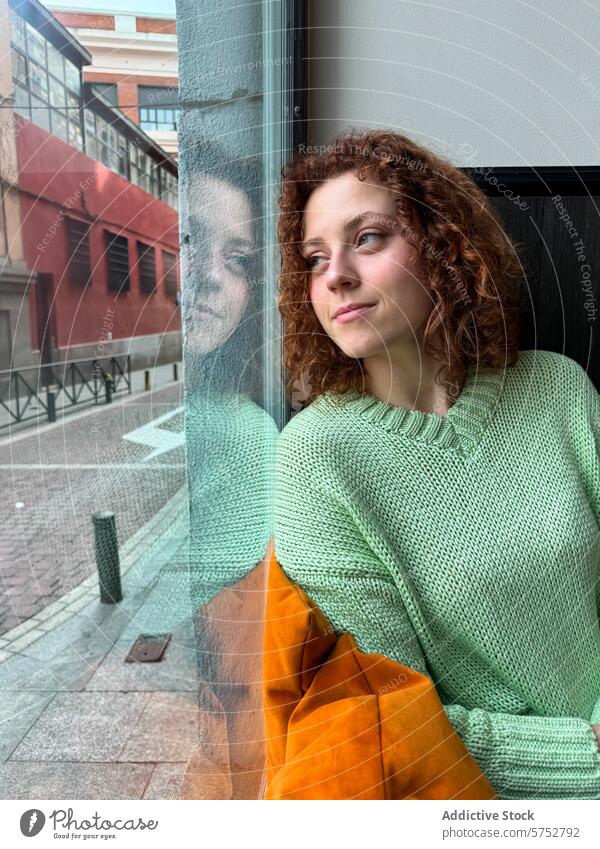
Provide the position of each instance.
(584, 411)
(320, 547)
(531, 757)
(540, 756)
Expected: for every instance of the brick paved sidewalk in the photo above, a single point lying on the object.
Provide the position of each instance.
(77, 721)
(126, 457)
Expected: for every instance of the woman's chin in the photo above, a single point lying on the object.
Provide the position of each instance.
(358, 349)
(199, 345)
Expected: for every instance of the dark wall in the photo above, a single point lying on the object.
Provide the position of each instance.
(561, 258)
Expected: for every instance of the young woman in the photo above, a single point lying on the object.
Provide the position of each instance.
(230, 442)
(438, 496)
(230, 439)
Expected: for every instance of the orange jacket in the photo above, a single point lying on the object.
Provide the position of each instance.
(327, 721)
(342, 724)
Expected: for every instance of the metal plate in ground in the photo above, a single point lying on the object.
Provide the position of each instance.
(148, 648)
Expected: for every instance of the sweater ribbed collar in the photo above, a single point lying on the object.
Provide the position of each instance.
(460, 429)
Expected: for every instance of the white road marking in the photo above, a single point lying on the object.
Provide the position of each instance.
(156, 437)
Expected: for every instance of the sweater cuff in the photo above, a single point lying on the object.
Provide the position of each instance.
(558, 762)
(532, 757)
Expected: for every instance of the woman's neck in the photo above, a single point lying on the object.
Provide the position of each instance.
(406, 378)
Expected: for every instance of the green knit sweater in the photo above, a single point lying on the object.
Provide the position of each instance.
(466, 546)
(230, 454)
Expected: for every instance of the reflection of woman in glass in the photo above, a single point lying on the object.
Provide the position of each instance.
(229, 445)
(439, 494)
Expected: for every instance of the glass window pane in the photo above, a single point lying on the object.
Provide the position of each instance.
(100, 128)
(59, 124)
(36, 44)
(40, 114)
(91, 147)
(56, 63)
(17, 29)
(73, 105)
(38, 80)
(108, 92)
(19, 68)
(90, 122)
(104, 154)
(58, 98)
(73, 77)
(158, 119)
(167, 117)
(22, 101)
(74, 131)
(122, 154)
(166, 96)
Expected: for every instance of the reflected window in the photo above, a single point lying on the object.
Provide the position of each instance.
(147, 266)
(108, 92)
(158, 107)
(117, 253)
(170, 273)
(80, 266)
(47, 84)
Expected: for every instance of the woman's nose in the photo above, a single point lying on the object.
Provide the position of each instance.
(209, 271)
(340, 271)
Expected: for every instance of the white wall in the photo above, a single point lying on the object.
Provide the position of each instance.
(509, 83)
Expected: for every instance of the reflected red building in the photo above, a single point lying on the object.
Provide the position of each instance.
(97, 200)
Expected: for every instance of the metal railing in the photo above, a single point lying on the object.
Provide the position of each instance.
(40, 392)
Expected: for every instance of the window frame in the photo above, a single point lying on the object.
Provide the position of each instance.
(80, 253)
(150, 113)
(111, 240)
(170, 285)
(58, 117)
(285, 122)
(143, 251)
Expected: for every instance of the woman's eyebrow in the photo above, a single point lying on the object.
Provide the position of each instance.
(351, 223)
(236, 242)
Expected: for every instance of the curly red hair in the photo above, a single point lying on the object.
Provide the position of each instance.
(471, 267)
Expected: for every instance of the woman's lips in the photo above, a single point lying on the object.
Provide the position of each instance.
(350, 315)
(202, 311)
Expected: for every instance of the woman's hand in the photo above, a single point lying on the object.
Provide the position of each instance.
(596, 730)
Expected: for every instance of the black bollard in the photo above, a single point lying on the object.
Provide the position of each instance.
(107, 558)
(147, 381)
(51, 405)
(108, 388)
(175, 372)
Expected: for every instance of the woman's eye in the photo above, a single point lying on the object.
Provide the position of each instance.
(371, 234)
(239, 263)
(312, 260)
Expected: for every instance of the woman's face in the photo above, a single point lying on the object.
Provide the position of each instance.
(356, 254)
(216, 261)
